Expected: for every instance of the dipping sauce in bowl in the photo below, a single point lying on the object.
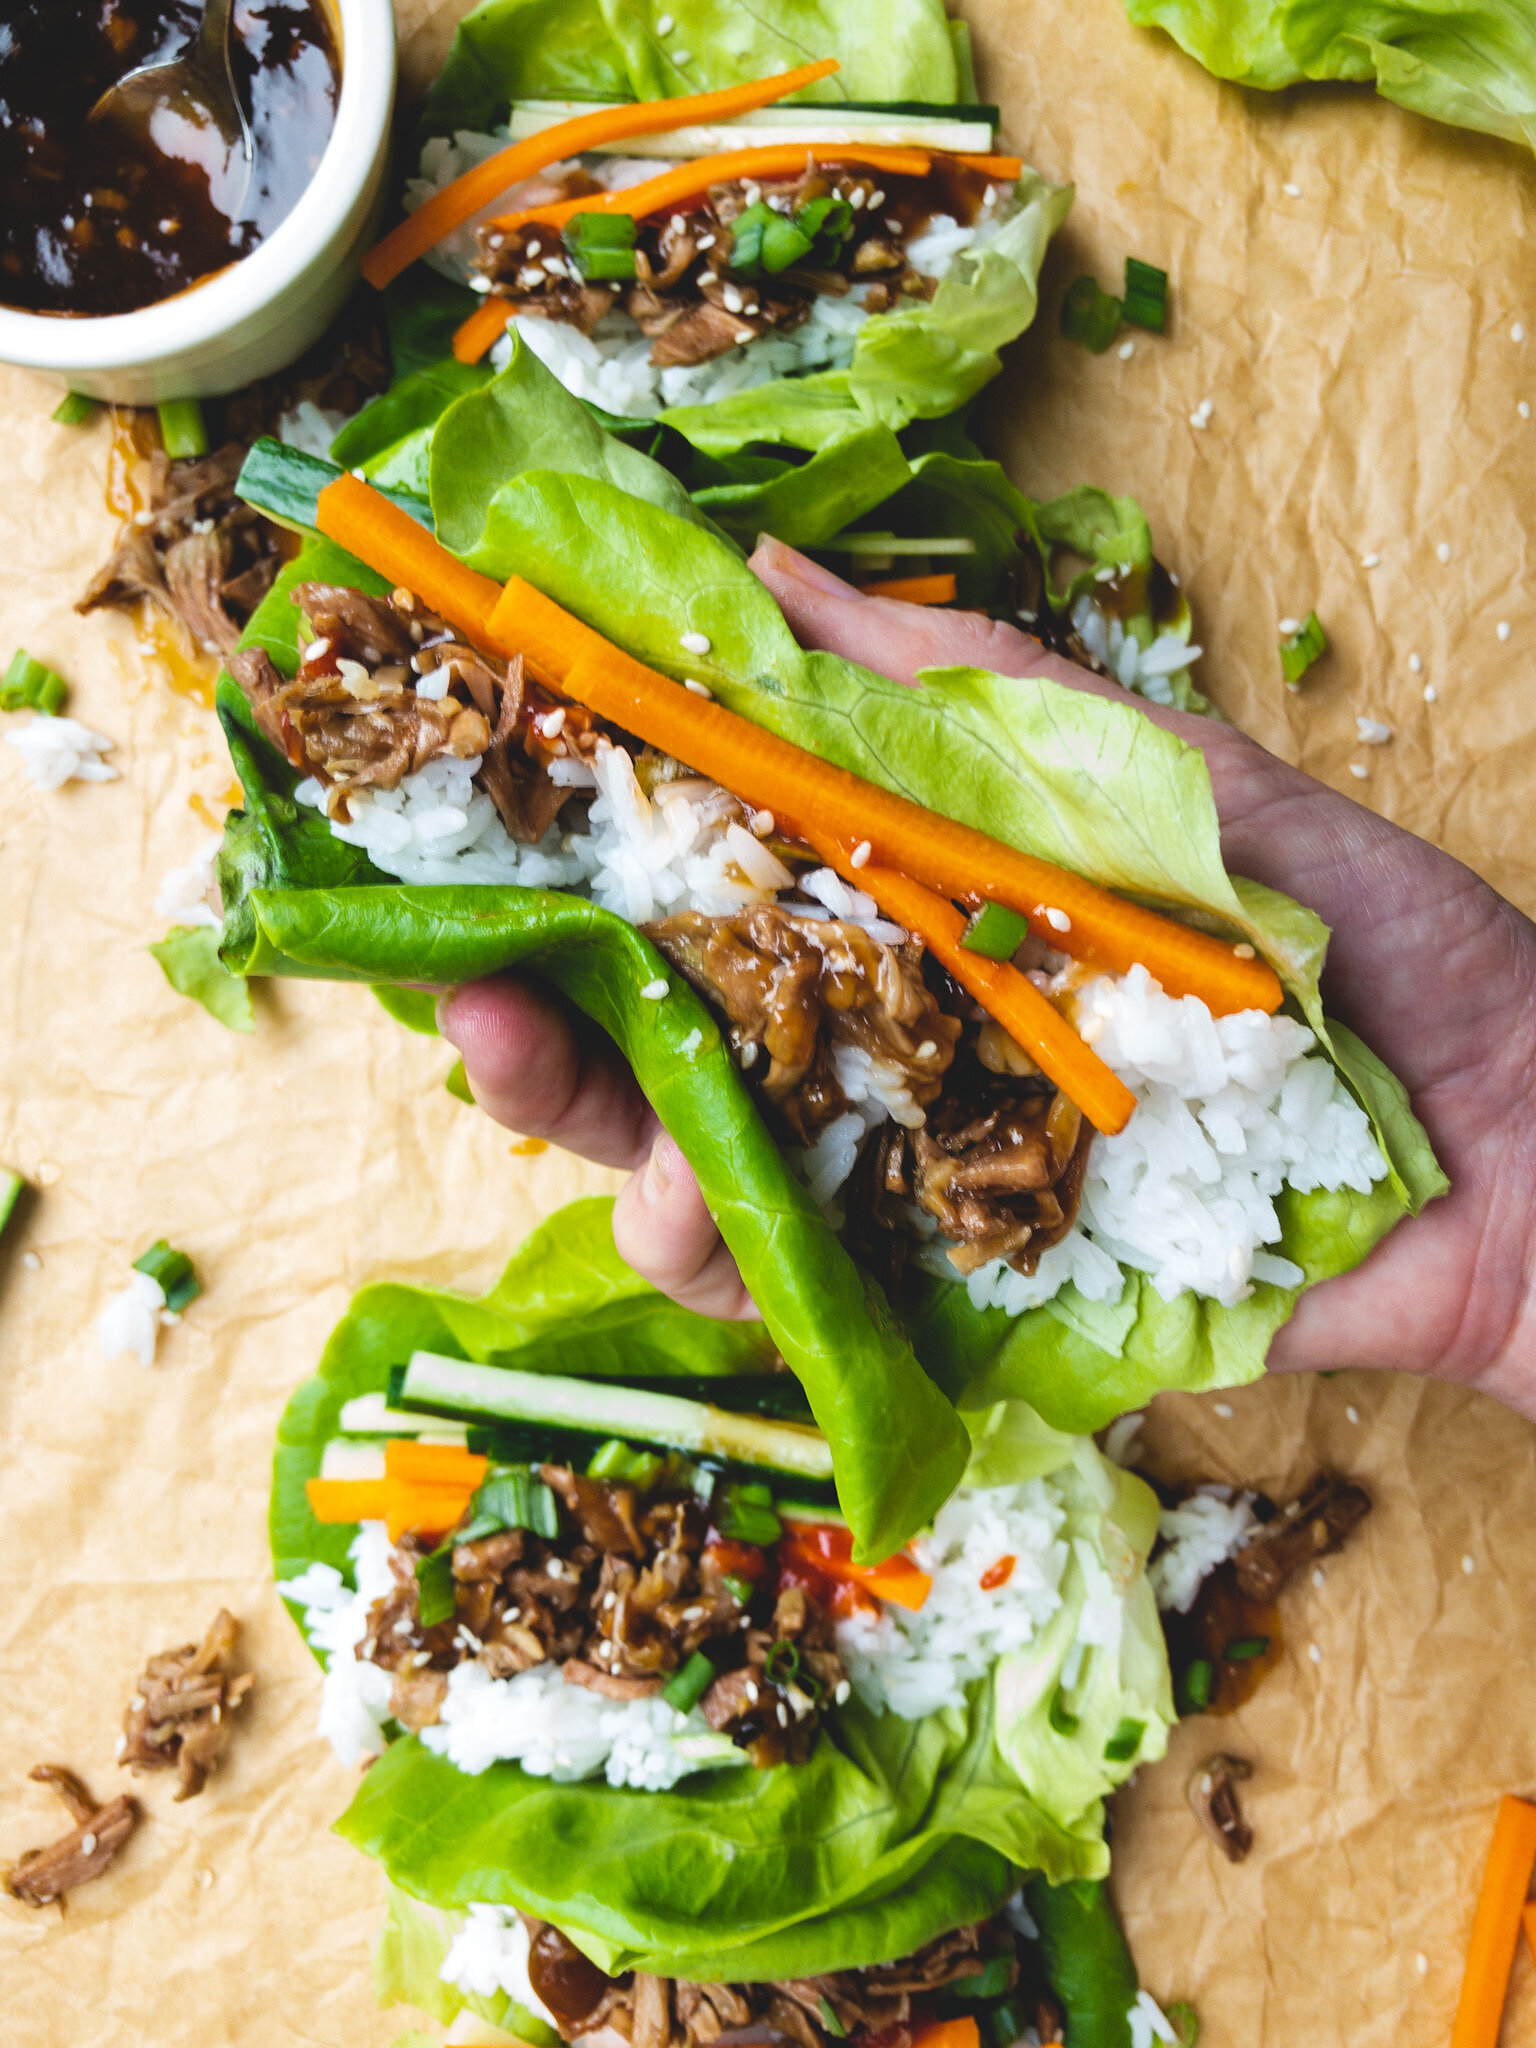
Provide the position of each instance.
(91, 223)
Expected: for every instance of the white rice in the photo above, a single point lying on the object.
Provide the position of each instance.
(1148, 2022)
(186, 894)
(60, 750)
(611, 367)
(131, 1320)
(1148, 670)
(311, 428)
(490, 1954)
(1230, 1110)
(1199, 1534)
(916, 1663)
(354, 1704)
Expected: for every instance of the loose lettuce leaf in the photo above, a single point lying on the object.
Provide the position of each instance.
(1087, 1961)
(1473, 66)
(610, 50)
(389, 440)
(808, 504)
(913, 364)
(189, 959)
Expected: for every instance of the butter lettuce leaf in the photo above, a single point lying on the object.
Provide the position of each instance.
(1471, 65)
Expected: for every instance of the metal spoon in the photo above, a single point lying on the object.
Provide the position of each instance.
(188, 109)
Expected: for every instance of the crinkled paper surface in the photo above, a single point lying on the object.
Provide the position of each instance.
(1355, 338)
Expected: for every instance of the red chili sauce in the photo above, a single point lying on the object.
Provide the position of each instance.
(91, 223)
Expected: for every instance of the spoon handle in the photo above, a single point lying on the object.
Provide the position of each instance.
(213, 38)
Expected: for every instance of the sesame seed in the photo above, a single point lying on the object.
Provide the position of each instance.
(87, 1845)
(1469, 1566)
(1127, 350)
(359, 475)
(1292, 191)
(927, 1049)
(1517, 332)
(693, 1614)
(653, 993)
(1373, 733)
(762, 824)
(709, 276)
(31, 1261)
(752, 1692)
(553, 723)
(677, 223)
(1225, 1410)
(1244, 951)
(1314, 1653)
(1290, 625)
(664, 24)
(989, 197)
(697, 689)
(477, 283)
(1444, 551)
(1502, 629)
(893, 223)
(1421, 1963)
(1370, 561)
(1415, 664)
(743, 336)
(1353, 1413)
(1201, 416)
(610, 1599)
(1359, 770)
(751, 192)
(753, 308)
(706, 242)
(783, 1713)
(859, 858)
(143, 518)
(857, 197)
(1524, 409)
(694, 643)
(841, 1691)
(1319, 1576)
(732, 299)
(1058, 920)
(749, 1054)
(203, 1879)
(1430, 693)
(682, 56)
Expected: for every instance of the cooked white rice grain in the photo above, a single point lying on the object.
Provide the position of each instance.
(490, 1954)
(59, 750)
(1198, 1535)
(354, 1702)
(131, 1320)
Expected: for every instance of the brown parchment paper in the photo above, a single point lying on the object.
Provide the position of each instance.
(1355, 341)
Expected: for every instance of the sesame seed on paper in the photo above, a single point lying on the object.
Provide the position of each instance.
(1201, 416)
(1353, 1413)
(1430, 693)
(1517, 332)
(1415, 664)
(1502, 629)
(1225, 1410)
(1359, 770)
(1373, 732)
(1290, 625)
(1127, 350)
(1524, 408)
(1371, 561)
(1291, 191)
(1444, 551)
(1314, 1653)
(1469, 1565)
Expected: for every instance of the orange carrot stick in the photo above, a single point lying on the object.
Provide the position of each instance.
(1496, 1926)
(954, 859)
(421, 1510)
(456, 203)
(348, 1500)
(482, 330)
(961, 2033)
(1073, 915)
(685, 182)
(828, 1548)
(915, 589)
(1529, 1919)
(1029, 1018)
(434, 1464)
(992, 166)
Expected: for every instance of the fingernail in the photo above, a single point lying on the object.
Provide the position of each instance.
(445, 1003)
(659, 1169)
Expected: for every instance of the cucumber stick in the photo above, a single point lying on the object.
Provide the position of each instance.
(606, 1409)
(956, 130)
(371, 1415)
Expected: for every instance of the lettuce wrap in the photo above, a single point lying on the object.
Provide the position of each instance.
(890, 1833)
(1474, 67)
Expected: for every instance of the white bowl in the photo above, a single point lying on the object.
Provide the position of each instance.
(257, 316)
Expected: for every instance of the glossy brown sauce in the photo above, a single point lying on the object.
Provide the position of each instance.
(1221, 1618)
(90, 224)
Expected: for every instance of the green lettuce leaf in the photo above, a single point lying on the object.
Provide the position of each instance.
(917, 363)
(509, 50)
(1472, 65)
(189, 959)
(412, 1947)
(808, 504)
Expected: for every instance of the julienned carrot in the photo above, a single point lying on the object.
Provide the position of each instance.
(915, 589)
(348, 1500)
(424, 1510)
(1073, 915)
(1496, 1926)
(828, 1548)
(456, 203)
(482, 330)
(961, 2033)
(433, 1464)
(1028, 1017)
(1528, 1917)
(685, 182)
(991, 166)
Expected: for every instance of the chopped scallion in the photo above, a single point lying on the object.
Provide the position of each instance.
(616, 1460)
(1245, 1649)
(1125, 1742)
(1146, 296)
(830, 2020)
(1300, 649)
(183, 430)
(1061, 1720)
(517, 1500)
(1199, 1680)
(602, 246)
(457, 1083)
(1090, 315)
(781, 1666)
(740, 1589)
(1185, 2022)
(436, 1593)
(744, 1513)
(30, 686)
(996, 932)
(74, 409)
(691, 1683)
(174, 1271)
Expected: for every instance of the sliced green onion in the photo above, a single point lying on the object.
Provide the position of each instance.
(436, 1592)
(996, 932)
(457, 1083)
(28, 685)
(740, 1590)
(1300, 649)
(690, 1684)
(784, 244)
(1089, 315)
(1063, 1722)
(183, 430)
(1185, 2022)
(1125, 1742)
(11, 1185)
(830, 2020)
(1199, 1681)
(747, 232)
(830, 219)
(602, 246)
(744, 1513)
(616, 1460)
(174, 1271)
(1245, 1649)
(1146, 296)
(990, 1982)
(781, 1666)
(74, 409)
(517, 1500)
